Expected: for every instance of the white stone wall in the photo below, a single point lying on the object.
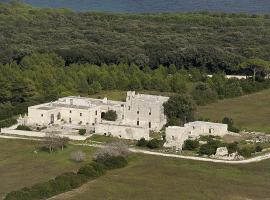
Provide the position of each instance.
(176, 135)
(38, 134)
(145, 110)
(121, 131)
(207, 128)
(140, 112)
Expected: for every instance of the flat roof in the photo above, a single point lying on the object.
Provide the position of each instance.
(45, 108)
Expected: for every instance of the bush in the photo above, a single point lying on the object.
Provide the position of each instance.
(99, 167)
(247, 150)
(142, 142)
(230, 123)
(232, 147)
(191, 144)
(23, 128)
(110, 115)
(77, 156)
(154, 144)
(82, 131)
(7, 122)
(113, 149)
(88, 171)
(210, 148)
(258, 148)
(115, 162)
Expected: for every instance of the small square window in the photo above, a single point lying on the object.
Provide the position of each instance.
(80, 114)
(138, 112)
(70, 111)
(150, 113)
(41, 115)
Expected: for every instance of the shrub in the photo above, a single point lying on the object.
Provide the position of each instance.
(209, 148)
(191, 144)
(115, 162)
(142, 142)
(23, 128)
(232, 147)
(82, 131)
(154, 144)
(113, 149)
(88, 171)
(77, 156)
(258, 148)
(99, 167)
(230, 123)
(247, 150)
(18, 195)
(110, 115)
(7, 122)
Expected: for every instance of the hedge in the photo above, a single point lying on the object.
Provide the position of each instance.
(67, 181)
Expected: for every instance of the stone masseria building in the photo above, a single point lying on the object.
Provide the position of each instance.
(139, 114)
(176, 135)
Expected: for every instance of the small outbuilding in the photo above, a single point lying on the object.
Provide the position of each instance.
(176, 135)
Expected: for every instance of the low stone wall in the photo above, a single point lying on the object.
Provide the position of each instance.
(10, 131)
(122, 131)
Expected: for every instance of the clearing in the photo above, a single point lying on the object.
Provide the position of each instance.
(250, 112)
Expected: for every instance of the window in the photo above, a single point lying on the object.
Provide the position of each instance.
(150, 113)
(71, 101)
(173, 138)
(138, 122)
(122, 105)
(123, 116)
(58, 116)
(70, 111)
(149, 124)
(80, 114)
(95, 120)
(41, 115)
(70, 120)
(129, 108)
(96, 112)
(138, 112)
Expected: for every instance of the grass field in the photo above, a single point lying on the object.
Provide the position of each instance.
(251, 112)
(153, 177)
(145, 178)
(20, 166)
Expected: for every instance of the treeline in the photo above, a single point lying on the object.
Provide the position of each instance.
(213, 41)
(44, 77)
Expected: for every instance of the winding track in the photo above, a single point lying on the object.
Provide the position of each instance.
(250, 160)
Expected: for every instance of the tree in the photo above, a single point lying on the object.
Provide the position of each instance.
(203, 94)
(110, 115)
(191, 144)
(256, 65)
(178, 84)
(180, 106)
(82, 131)
(142, 142)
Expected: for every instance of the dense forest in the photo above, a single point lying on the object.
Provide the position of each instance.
(49, 53)
(214, 41)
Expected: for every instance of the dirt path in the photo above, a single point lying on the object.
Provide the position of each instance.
(250, 160)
